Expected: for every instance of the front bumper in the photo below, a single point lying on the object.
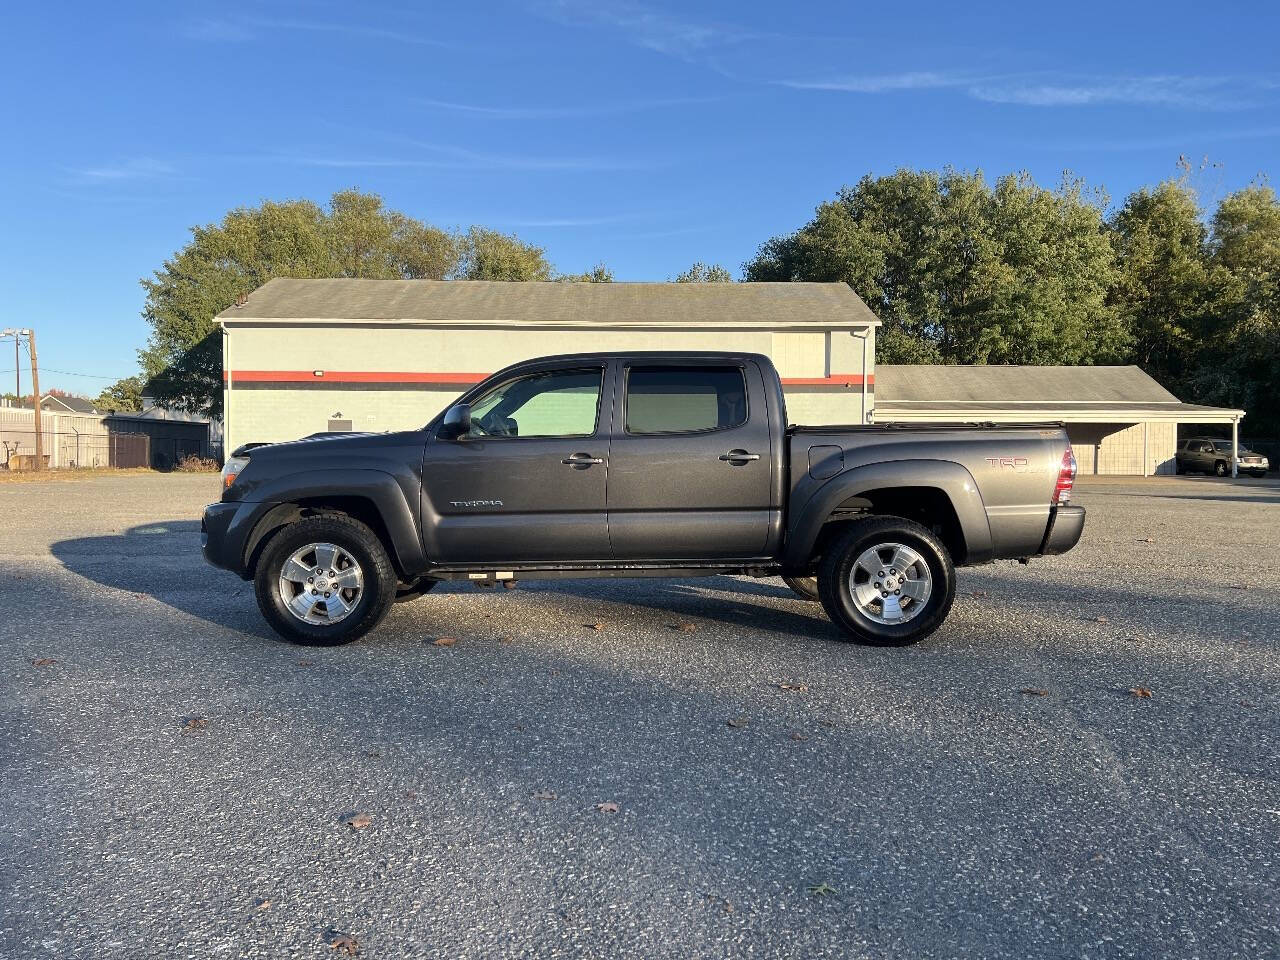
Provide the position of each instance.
(1066, 524)
(220, 549)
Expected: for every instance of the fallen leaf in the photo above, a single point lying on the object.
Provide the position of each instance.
(306, 663)
(344, 943)
(1237, 586)
(1035, 692)
(684, 626)
(738, 721)
(43, 662)
(445, 641)
(978, 593)
(594, 626)
(358, 821)
(507, 641)
(797, 735)
(607, 807)
(195, 723)
(262, 903)
(1144, 540)
(795, 687)
(822, 889)
(1142, 692)
(1101, 620)
(544, 795)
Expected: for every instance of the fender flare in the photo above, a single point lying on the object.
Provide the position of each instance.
(276, 497)
(954, 481)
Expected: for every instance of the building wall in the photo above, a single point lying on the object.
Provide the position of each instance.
(263, 411)
(1117, 448)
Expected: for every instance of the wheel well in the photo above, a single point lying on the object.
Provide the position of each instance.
(358, 508)
(927, 506)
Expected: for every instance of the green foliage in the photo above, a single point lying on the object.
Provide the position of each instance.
(123, 396)
(700, 272)
(354, 236)
(597, 274)
(962, 272)
(488, 255)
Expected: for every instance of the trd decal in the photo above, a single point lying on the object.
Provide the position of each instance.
(1009, 463)
(475, 503)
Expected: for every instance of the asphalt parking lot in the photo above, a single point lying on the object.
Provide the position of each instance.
(176, 781)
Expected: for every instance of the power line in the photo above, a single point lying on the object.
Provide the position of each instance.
(72, 373)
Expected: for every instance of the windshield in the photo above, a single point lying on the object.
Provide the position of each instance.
(1225, 446)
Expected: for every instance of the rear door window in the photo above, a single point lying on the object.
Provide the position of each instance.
(694, 399)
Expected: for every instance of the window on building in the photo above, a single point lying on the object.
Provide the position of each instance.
(685, 399)
(560, 403)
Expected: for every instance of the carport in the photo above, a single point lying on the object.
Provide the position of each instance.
(1120, 420)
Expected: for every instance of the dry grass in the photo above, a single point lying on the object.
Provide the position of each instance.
(85, 473)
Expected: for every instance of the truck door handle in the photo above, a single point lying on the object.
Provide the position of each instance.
(581, 460)
(739, 456)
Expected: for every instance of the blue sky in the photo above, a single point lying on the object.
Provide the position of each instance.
(645, 135)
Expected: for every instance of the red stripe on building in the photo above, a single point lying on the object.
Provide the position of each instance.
(379, 376)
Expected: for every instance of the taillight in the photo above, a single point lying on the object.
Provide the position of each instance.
(1066, 478)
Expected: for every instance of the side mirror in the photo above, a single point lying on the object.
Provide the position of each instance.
(456, 422)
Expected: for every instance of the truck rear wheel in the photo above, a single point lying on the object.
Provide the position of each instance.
(806, 588)
(887, 581)
(324, 581)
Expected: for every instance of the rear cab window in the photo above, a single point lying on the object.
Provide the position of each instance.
(684, 399)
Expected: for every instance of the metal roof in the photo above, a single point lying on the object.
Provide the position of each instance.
(915, 392)
(920, 382)
(494, 303)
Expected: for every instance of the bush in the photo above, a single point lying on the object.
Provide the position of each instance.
(194, 463)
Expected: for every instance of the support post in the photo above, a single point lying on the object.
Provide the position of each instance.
(1235, 447)
(35, 392)
(1146, 449)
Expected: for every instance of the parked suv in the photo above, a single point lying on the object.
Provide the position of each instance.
(1207, 455)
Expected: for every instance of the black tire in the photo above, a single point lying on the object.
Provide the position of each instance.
(406, 594)
(363, 545)
(1220, 468)
(806, 588)
(842, 555)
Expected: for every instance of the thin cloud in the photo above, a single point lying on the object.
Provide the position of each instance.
(1035, 90)
(138, 168)
(564, 113)
(647, 26)
(451, 158)
(1212, 93)
(245, 29)
(878, 83)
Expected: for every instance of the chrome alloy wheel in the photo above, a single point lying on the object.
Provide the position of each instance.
(321, 583)
(890, 583)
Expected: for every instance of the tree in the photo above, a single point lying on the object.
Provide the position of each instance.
(1236, 360)
(961, 272)
(488, 255)
(700, 272)
(355, 236)
(124, 396)
(597, 274)
(1162, 287)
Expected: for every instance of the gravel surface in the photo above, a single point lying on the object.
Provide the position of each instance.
(178, 781)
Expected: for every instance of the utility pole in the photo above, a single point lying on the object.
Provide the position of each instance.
(17, 372)
(35, 390)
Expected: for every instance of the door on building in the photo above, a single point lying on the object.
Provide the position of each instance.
(528, 482)
(689, 462)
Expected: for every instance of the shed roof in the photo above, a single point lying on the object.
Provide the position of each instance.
(1018, 384)
(919, 392)
(494, 303)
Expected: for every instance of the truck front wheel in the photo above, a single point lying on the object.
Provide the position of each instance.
(887, 581)
(324, 581)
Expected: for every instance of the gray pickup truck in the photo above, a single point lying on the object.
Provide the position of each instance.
(638, 465)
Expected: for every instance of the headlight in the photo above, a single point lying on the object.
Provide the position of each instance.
(231, 469)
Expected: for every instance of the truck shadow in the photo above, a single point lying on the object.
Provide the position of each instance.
(162, 560)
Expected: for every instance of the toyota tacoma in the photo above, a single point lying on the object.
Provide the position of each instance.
(638, 465)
